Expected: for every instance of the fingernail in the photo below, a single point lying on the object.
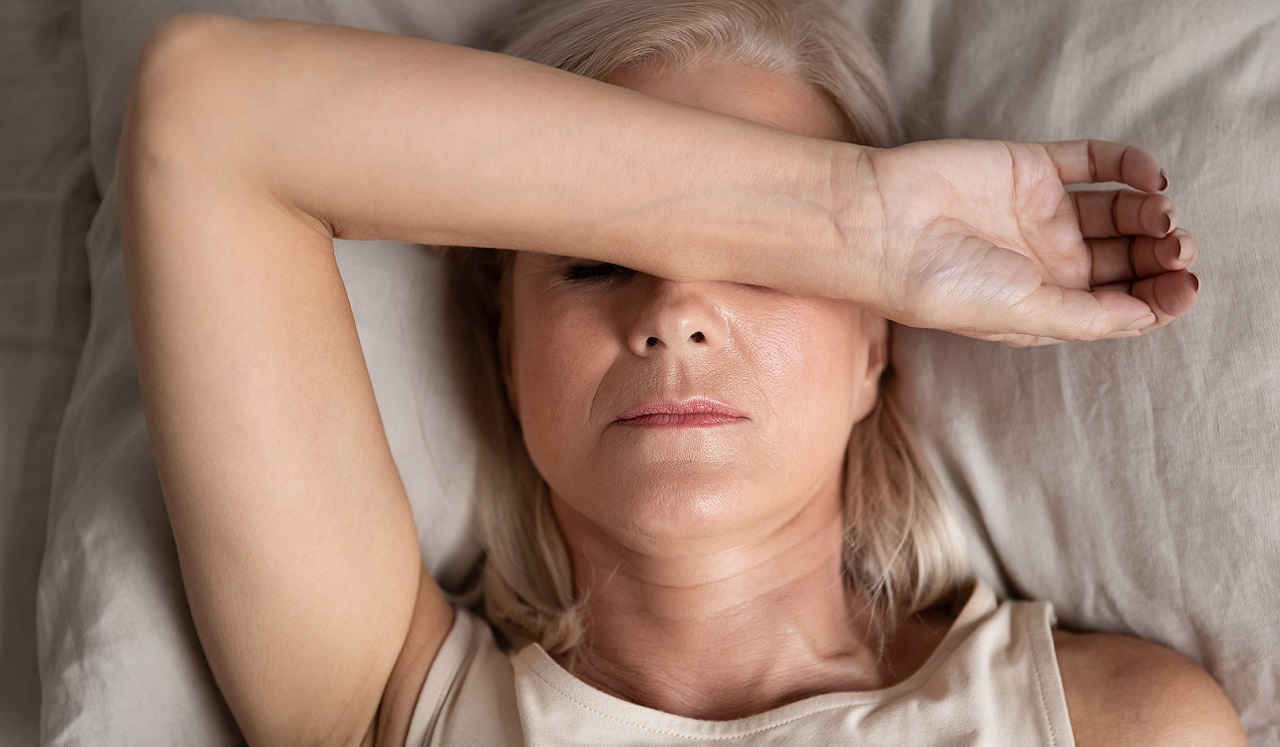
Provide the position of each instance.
(1184, 250)
(1164, 181)
(1195, 281)
(1171, 218)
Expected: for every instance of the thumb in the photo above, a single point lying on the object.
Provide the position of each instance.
(1069, 314)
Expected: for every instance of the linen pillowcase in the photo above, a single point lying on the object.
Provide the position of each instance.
(1132, 483)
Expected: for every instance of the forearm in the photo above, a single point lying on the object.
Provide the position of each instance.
(378, 136)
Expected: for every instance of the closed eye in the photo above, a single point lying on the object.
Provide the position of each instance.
(587, 271)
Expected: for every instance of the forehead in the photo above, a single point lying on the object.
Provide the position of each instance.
(741, 90)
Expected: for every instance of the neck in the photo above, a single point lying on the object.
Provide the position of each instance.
(730, 633)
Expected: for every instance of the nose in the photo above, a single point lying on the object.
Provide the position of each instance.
(677, 318)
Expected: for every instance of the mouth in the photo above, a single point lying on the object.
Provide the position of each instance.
(695, 412)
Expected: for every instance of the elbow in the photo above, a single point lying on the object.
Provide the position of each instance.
(174, 137)
(179, 38)
(200, 119)
(180, 85)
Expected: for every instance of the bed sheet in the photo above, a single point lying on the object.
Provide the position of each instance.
(47, 199)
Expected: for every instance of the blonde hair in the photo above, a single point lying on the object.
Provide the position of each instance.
(809, 39)
(903, 548)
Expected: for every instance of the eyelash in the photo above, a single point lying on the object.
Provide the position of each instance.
(586, 272)
(605, 272)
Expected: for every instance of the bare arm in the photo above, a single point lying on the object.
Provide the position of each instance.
(247, 147)
(376, 136)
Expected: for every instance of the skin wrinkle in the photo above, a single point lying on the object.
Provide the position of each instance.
(733, 618)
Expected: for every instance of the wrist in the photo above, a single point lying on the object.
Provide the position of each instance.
(856, 250)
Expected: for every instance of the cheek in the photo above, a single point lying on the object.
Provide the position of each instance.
(821, 399)
(810, 360)
(555, 374)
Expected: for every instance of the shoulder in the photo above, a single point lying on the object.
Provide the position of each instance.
(1126, 691)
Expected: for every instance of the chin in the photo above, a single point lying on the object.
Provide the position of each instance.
(677, 503)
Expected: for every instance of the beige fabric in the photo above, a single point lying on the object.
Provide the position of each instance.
(993, 680)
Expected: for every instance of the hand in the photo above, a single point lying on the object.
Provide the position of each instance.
(981, 238)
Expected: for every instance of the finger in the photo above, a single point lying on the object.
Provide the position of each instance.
(1110, 312)
(1088, 315)
(1123, 212)
(1183, 256)
(1092, 161)
(1130, 258)
(1055, 314)
(1169, 295)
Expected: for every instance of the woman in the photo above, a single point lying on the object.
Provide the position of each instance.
(687, 394)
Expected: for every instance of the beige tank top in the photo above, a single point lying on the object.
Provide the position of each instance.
(993, 680)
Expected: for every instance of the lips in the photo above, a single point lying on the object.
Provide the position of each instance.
(691, 412)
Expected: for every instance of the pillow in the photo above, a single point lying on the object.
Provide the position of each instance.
(47, 199)
(1132, 483)
(1138, 504)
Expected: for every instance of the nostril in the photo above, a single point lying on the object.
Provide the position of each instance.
(697, 337)
(651, 342)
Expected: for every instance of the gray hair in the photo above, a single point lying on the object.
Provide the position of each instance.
(903, 546)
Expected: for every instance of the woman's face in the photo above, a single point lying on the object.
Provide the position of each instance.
(770, 384)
